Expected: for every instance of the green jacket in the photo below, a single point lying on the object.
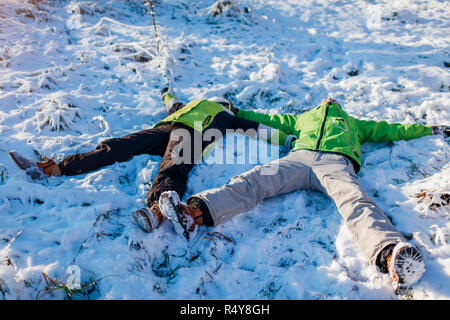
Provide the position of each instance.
(197, 114)
(329, 128)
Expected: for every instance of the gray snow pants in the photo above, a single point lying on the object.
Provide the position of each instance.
(330, 173)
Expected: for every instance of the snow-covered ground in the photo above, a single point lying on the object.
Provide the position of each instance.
(76, 72)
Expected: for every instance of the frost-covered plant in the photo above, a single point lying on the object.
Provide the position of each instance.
(431, 202)
(229, 7)
(57, 113)
(37, 10)
(82, 291)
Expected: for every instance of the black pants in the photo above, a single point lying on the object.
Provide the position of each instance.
(156, 141)
(160, 141)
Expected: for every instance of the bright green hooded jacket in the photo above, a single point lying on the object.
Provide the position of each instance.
(329, 128)
(198, 114)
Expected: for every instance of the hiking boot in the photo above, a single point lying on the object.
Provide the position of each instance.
(148, 218)
(37, 170)
(49, 167)
(405, 266)
(183, 217)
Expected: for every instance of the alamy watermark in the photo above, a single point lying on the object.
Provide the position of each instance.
(195, 148)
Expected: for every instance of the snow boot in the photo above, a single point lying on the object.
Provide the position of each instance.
(37, 170)
(405, 266)
(148, 218)
(183, 217)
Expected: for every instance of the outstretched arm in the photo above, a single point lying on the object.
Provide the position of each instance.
(170, 101)
(282, 122)
(375, 131)
(258, 130)
(278, 128)
(383, 131)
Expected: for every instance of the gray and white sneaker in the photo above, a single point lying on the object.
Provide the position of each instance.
(175, 211)
(405, 266)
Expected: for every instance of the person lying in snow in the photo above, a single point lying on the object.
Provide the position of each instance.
(176, 133)
(326, 157)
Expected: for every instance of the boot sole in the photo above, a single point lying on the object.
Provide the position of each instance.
(168, 202)
(142, 221)
(410, 267)
(11, 154)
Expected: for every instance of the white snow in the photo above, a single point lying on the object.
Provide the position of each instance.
(74, 73)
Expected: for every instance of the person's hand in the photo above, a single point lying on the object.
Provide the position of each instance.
(442, 130)
(288, 143)
(233, 108)
(164, 91)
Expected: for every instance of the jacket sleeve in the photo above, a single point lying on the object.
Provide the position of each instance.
(373, 131)
(260, 130)
(282, 122)
(171, 103)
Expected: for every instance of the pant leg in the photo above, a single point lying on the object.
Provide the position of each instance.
(246, 190)
(183, 150)
(152, 141)
(334, 175)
